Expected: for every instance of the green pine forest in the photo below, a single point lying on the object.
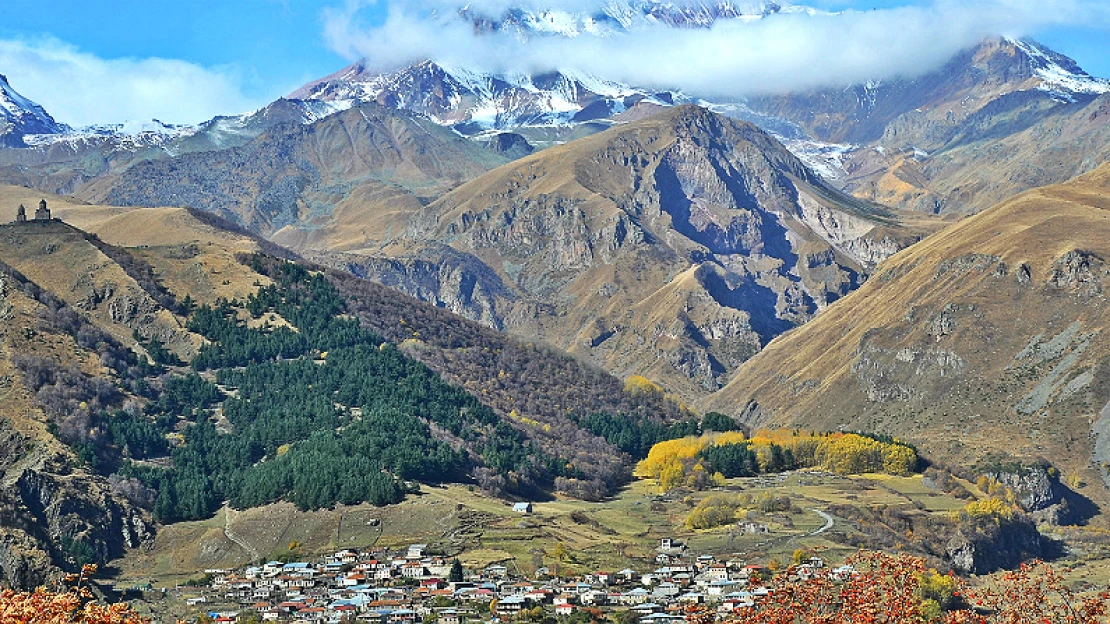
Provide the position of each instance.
(296, 397)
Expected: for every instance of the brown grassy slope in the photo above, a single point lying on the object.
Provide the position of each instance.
(191, 253)
(672, 246)
(61, 259)
(987, 337)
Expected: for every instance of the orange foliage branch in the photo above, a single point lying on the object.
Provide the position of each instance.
(76, 604)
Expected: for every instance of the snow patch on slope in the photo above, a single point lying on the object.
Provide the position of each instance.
(827, 159)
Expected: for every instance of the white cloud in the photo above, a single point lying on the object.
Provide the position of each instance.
(787, 51)
(80, 89)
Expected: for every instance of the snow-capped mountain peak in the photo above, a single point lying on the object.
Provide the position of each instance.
(615, 17)
(19, 116)
(473, 100)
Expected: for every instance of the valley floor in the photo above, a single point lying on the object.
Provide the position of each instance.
(569, 538)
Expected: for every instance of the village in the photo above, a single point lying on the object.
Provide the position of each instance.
(411, 585)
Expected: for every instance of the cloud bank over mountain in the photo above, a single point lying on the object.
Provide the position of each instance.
(79, 88)
(789, 50)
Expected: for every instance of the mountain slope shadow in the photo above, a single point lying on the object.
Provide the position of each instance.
(749, 296)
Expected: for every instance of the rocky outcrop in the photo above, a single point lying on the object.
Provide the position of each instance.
(985, 545)
(80, 509)
(24, 563)
(1065, 378)
(1035, 486)
(899, 375)
(1100, 453)
(51, 522)
(13, 444)
(510, 145)
(1079, 272)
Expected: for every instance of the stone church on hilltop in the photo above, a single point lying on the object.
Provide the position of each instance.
(42, 214)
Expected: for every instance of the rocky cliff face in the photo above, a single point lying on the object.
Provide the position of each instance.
(54, 516)
(985, 546)
(445, 278)
(1034, 486)
(54, 513)
(65, 520)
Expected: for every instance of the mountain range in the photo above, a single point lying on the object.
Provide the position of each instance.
(360, 169)
(921, 257)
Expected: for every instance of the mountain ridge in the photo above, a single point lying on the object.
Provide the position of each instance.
(294, 173)
(959, 139)
(988, 336)
(710, 210)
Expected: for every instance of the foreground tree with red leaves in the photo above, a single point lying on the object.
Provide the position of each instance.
(74, 605)
(1033, 594)
(883, 588)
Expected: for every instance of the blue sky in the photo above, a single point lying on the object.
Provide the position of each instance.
(98, 61)
(269, 47)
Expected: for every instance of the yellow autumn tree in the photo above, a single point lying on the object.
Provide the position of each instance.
(638, 384)
(666, 455)
(713, 511)
(994, 509)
